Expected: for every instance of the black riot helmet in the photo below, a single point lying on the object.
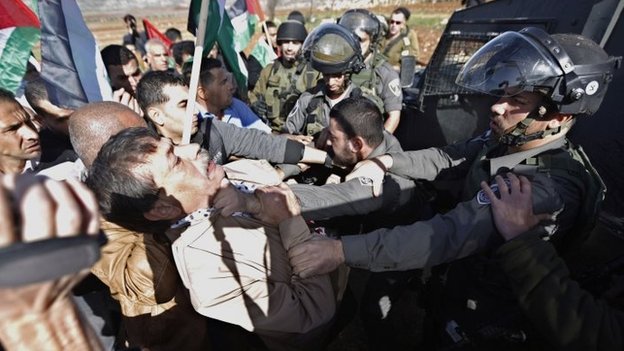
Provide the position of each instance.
(331, 48)
(364, 20)
(572, 71)
(291, 30)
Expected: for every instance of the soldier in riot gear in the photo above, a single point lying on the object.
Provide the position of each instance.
(335, 52)
(377, 78)
(543, 83)
(282, 81)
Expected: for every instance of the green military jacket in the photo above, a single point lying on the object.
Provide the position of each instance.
(403, 45)
(280, 87)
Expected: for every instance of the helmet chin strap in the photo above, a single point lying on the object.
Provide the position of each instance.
(518, 136)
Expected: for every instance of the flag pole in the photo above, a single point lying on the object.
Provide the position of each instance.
(197, 56)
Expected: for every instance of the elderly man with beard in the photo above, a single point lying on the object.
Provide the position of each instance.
(236, 268)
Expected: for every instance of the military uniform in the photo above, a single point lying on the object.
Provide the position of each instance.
(469, 227)
(547, 290)
(311, 112)
(280, 86)
(380, 81)
(405, 44)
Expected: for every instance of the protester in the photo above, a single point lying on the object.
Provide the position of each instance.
(156, 55)
(182, 52)
(20, 148)
(247, 282)
(54, 135)
(270, 37)
(133, 37)
(216, 94)
(122, 68)
(173, 34)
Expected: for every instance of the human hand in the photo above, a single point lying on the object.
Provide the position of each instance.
(125, 98)
(374, 170)
(230, 200)
(513, 211)
(316, 257)
(260, 108)
(278, 203)
(304, 139)
(45, 209)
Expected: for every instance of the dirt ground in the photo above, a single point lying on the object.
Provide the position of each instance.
(428, 20)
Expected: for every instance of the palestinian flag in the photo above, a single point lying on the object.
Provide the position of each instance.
(219, 29)
(245, 15)
(71, 64)
(19, 31)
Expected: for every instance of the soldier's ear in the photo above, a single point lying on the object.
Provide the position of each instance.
(163, 210)
(559, 120)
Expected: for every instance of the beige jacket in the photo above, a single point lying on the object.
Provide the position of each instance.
(237, 270)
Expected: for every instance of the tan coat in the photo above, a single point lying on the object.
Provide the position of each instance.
(140, 273)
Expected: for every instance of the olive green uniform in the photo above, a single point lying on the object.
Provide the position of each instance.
(405, 44)
(280, 87)
(381, 83)
(311, 112)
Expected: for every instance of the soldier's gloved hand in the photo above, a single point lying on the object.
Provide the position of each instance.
(261, 108)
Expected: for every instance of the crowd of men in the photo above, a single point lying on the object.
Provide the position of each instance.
(244, 238)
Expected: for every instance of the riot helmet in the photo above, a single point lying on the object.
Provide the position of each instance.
(291, 30)
(364, 20)
(331, 48)
(571, 71)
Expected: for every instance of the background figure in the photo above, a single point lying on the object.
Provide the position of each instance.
(133, 37)
(399, 41)
(156, 55)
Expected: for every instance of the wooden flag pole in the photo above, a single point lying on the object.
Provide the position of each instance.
(197, 58)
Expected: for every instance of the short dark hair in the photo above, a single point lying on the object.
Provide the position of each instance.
(116, 55)
(149, 91)
(6, 96)
(180, 48)
(205, 77)
(128, 17)
(35, 92)
(125, 194)
(269, 24)
(173, 34)
(359, 116)
(403, 10)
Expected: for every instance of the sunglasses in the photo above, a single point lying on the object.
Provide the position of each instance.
(396, 22)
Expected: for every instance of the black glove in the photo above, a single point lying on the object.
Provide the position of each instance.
(261, 108)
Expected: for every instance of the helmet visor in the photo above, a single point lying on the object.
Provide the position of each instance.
(508, 65)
